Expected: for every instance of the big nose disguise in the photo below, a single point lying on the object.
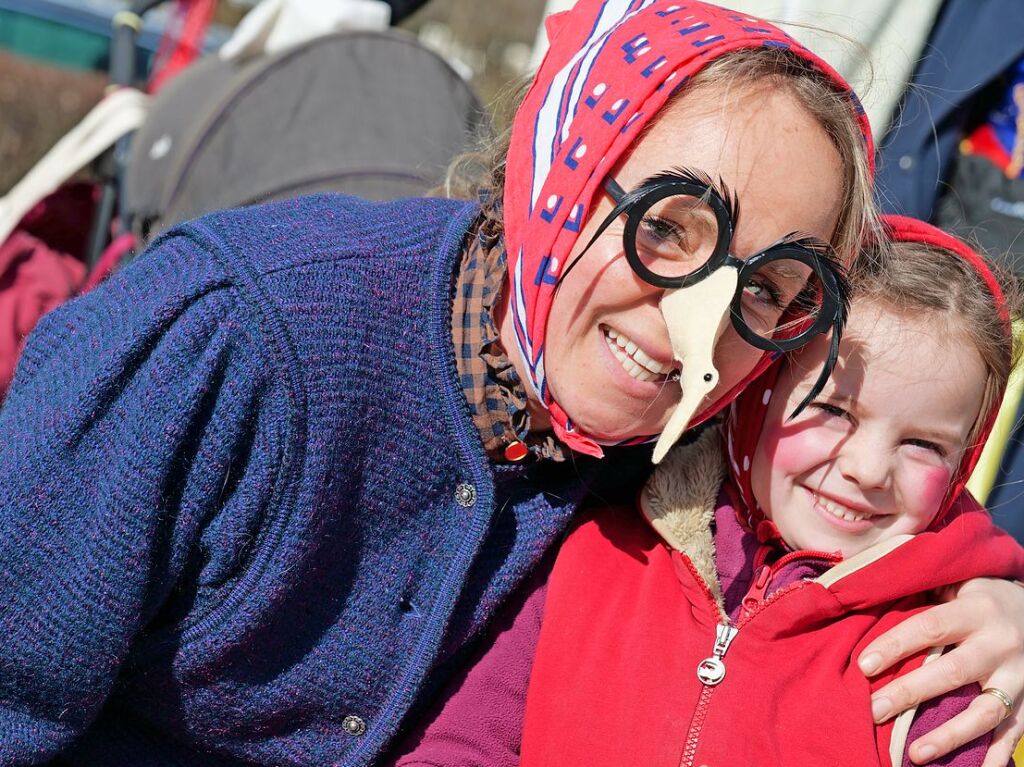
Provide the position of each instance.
(677, 234)
(695, 317)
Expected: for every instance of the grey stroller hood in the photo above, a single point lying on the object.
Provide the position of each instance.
(373, 114)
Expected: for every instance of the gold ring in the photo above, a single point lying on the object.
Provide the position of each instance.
(1001, 696)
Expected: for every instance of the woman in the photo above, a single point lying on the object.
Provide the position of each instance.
(248, 515)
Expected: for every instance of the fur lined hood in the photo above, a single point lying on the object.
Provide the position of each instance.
(681, 497)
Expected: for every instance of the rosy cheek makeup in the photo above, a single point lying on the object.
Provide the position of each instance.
(795, 450)
(929, 486)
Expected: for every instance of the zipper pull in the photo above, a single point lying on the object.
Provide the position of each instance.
(755, 594)
(711, 670)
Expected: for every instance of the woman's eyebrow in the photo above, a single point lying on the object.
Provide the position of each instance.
(808, 241)
(697, 176)
(782, 271)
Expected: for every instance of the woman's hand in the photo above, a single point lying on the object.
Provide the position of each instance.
(985, 620)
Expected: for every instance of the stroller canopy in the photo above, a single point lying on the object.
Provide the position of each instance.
(373, 114)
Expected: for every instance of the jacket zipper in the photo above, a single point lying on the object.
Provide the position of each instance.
(711, 670)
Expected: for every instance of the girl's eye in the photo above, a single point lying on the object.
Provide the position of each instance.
(828, 409)
(926, 445)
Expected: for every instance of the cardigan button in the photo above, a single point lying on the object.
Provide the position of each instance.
(465, 495)
(353, 725)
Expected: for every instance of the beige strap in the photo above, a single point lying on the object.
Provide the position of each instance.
(901, 725)
(119, 113)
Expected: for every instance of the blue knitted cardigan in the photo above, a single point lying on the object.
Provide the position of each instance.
(245, 516)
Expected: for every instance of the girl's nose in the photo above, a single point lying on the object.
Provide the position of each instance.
(865, 463)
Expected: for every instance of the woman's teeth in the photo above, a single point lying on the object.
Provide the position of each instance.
(632, 358)
(840, 511)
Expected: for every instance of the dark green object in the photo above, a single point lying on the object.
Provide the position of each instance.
(52, 42)
(76, 33)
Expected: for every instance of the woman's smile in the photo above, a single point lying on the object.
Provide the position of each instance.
(637, 362)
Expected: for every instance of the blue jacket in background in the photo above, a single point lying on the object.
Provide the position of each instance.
(973, 42)
(245, 516)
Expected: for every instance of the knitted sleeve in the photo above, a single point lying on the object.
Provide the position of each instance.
(119, 443)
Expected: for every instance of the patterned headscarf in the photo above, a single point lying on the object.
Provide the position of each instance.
(747, 414)
(611, 66)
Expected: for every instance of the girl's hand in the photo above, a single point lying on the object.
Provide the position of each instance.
(985, 620)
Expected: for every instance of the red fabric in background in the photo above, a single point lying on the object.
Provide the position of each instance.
(63, 219)
(182, 42)
(34, 278)
(42, 265)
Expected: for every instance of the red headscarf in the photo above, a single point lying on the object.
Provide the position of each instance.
(611, 66)
(747, 414)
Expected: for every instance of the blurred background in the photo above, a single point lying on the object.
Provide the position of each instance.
(54, 56)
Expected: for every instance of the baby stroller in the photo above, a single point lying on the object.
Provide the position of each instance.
(370, 113)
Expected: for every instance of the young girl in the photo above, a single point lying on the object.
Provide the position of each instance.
(734, 639)
(725, 630)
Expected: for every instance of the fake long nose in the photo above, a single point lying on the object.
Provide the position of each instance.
(696, 317)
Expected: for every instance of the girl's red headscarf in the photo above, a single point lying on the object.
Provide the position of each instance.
(746, 416)
(611, 66)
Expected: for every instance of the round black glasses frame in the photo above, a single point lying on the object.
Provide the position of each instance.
(636, 205)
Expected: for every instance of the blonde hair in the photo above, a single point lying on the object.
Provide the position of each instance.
(481, 174)
(914, 278)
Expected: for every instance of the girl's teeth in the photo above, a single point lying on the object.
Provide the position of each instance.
(841, 512)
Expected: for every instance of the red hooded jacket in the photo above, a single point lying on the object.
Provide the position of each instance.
(643, 618)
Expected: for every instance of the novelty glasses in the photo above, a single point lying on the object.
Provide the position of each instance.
(678, 229)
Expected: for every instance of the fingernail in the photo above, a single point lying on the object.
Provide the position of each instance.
(880, 709)
(926, 753)
(869, 664)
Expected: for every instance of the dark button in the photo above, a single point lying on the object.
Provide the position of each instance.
(465, 495)
(353, 725)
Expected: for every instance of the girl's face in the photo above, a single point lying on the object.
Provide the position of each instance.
(874, 455)
(787, 175)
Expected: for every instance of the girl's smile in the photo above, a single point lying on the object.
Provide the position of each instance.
(875, 454)
(843, 515)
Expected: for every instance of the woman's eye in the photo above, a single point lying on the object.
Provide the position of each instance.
(661, 230)
(765, 292)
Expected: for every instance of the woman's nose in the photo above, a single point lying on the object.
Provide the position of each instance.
(695, 317)
(864, 462)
